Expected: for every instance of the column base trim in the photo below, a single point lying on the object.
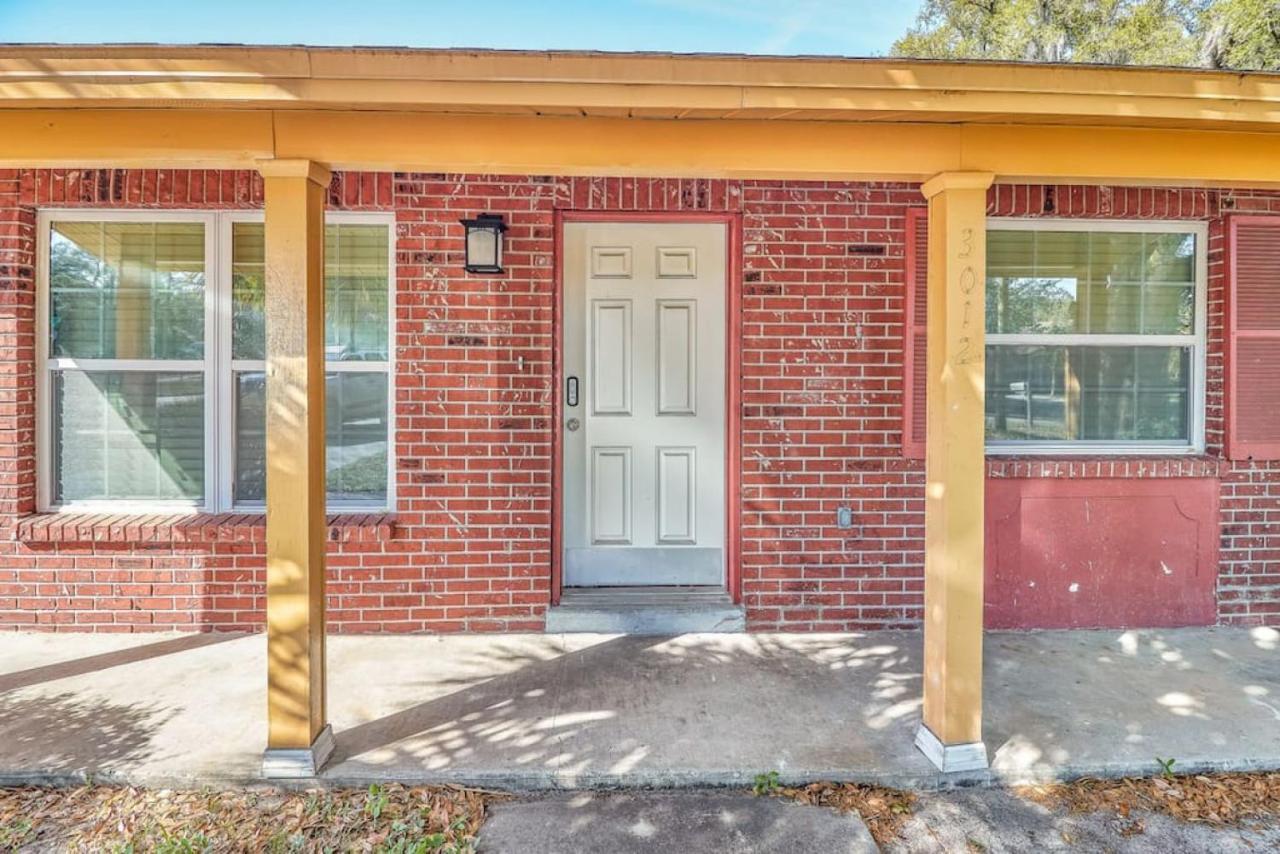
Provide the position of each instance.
(951, 758)
(297, 763)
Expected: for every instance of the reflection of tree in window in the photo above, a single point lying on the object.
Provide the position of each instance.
(127, 290)
(1044, 285)
(131, 295)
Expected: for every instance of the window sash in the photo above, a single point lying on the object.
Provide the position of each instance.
(229, 366)
(217, 367)
(332, 503)
(1195, 342)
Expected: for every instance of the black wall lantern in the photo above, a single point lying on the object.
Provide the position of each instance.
(484, 243)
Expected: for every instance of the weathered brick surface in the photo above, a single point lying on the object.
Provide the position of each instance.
(821, 392)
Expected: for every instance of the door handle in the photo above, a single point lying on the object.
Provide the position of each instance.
(572, 425)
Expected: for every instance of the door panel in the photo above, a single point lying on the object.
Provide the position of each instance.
(611, 496)
(609, 374)
(644, 453)
(677, 356)
(677, 495)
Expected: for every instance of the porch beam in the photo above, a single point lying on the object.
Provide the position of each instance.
(728, 148)
(299, 739)
(951, 732)
(778, 149)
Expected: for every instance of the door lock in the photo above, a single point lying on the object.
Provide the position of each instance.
(572, 425)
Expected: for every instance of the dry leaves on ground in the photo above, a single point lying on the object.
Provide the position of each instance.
(883, 810)
(109, 818)
(1218, 799)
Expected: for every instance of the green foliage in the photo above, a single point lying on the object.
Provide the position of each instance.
(1219, 33)
(157, 841)
(376, 801)
(765, 784)
(1241, 34)
(180, 844)
(14, 833)
(1166, 767)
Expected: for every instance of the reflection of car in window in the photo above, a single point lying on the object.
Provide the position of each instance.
(362, 399)
(345, 353)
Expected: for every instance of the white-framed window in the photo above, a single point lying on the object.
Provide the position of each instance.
(1095, 335)
(150, 364)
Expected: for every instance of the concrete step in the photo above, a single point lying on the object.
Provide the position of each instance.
(646, 611)
(714, 822)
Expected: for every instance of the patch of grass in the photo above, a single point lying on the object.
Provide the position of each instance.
(180, 843)
(375, 801)
(15, 832)
(766, 783)
(390, 819)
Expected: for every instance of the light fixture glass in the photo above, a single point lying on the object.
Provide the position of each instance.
(484, 243)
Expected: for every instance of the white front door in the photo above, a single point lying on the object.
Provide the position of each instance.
(644, 404)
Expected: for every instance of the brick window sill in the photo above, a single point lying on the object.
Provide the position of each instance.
(1100, 467)
(186, 528)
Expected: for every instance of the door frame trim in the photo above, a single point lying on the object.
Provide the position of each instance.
(732, 222)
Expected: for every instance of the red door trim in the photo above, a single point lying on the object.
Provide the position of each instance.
(733, 381)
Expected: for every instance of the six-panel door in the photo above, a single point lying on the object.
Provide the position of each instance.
(644, 336)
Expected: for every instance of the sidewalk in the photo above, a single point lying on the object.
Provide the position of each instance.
(539, 711)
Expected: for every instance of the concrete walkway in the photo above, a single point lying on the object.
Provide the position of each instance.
(684, 821)
(991, 820)
(536, 711)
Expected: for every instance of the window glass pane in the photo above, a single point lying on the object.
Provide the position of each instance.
(1026, 393)
(357, 274)
(248, 282)
(126, 290)
(355, 295)
(1033, 280)
(128, 435)
(355, 437)
(1075, 282)
(1088, 393)
(251, 437)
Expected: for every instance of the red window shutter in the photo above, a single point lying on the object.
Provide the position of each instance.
(1253, 337)
(915, 325)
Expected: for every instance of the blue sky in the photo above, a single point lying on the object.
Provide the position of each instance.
(848, 27)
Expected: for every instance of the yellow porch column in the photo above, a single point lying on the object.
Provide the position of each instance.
(299, 738)
(951, 734)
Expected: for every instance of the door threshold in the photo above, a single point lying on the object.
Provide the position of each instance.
(645, 611)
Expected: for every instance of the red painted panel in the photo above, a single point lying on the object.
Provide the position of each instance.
(1103, 553)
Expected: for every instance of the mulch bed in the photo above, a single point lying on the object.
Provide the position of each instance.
(1217, 799)
(389, 818)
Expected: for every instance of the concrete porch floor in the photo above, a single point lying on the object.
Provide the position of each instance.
(536, 711)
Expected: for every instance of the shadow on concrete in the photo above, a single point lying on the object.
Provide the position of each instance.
(491, 710)
(116, 658)
(654, 705)
(67, 732)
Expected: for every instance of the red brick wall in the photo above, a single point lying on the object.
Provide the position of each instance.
(821, 392)
(822, 399)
